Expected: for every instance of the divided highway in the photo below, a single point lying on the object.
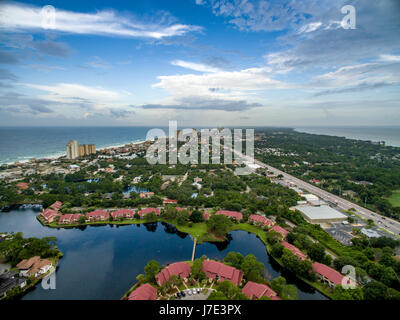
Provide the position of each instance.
(388, 224)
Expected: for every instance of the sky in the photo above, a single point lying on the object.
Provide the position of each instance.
(200, 62)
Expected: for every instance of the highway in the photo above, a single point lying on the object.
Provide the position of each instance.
(380, 221)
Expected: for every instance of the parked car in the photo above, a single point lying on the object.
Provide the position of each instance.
(194, 291)
(199, 290)
(183, 294)
(178, 295)
(189, 292)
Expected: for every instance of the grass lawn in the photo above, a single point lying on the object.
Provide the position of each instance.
(394, 199)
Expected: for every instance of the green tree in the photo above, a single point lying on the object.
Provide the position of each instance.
(289, 292)
(340, 293)
(150, 271)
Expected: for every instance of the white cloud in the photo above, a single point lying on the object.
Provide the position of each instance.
(390, 58)
(194, 66)
(21, 17)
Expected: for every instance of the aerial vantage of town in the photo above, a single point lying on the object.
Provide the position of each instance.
(250, 162)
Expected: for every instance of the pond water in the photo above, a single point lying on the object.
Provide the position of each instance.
(102, 262)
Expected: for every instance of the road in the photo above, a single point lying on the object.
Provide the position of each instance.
(388, 224)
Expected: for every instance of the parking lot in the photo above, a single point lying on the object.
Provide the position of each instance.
(189, 295)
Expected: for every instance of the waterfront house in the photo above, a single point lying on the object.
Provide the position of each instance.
(231, 214)
(144, 292)
(296, 251)
(283, 232)
(255, 291)
(329, 275)
(145, 211)
(56, 205)
(97, 215)
(10, 280)
(34, 266)
(123, 214)
(180, 269)
(260, 220)
(49, 215)
(69, 218)
(221, 272)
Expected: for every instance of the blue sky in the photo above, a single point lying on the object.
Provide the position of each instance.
(200, 62)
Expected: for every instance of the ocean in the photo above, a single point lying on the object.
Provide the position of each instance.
(22, 144)
(391, 135)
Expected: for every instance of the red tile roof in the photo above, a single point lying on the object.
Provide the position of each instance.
(260, 219)
(181, 269)
(231, 214)
(49, 215)
(206, 215)
(332, 275)
(257, 290)
(69, 218)
(123, 213)
(56, 205)
(166, 201)
(144, 292)
(145, 211)
(281, 230)
(296, 251)
(212, 269)
(98, 214)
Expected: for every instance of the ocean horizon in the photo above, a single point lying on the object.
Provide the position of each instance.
(19, 144)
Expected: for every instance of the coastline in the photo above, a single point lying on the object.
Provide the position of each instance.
(60, 154)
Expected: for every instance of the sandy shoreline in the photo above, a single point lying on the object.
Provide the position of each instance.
(60, 155)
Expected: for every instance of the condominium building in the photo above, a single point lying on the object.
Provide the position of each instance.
(72, 149)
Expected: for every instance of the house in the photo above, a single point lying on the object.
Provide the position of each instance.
(180, 269)
(296, 251)
(123, 214)
(40, 267)
(50, 215)
(8, 281)
(144, 292)
(56, 205)
(206, 215)
(97, 215)
(261, 220)
(231, 214)
(146, 195)
(69, 218)
(145, 211)
(255, 291)
(283, 232)
(169, 201)
(329, 275)
(22, 186)
(34, 266)
(221, 272)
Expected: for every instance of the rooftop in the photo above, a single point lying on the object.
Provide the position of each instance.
(320, 213)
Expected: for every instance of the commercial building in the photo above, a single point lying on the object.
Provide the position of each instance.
(370, 233)
(321, 214)
(72, 149)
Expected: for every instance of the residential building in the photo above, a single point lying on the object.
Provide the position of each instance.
(296, 251)
(255, 291)
(221, 272)
(10, 280)
(145, 211)
(169, 201)
(72, 149)
(231, 214)
(261, 220)
(180, 269)
(69, 218)
(146, 194)
(329, 275)
(283, 232)
(34, 266)
(144, 292)
(123, 214)
(97, 215)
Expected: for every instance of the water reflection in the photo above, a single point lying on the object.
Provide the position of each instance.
(103, 261)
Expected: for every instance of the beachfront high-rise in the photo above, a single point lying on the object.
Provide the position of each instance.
(72, 149)
(86, 149)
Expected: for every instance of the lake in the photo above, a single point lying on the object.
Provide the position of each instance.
(102, 262)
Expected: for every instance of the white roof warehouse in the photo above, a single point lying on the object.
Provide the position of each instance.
(320, 214)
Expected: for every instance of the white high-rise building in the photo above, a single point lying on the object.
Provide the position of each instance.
(72, 149)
